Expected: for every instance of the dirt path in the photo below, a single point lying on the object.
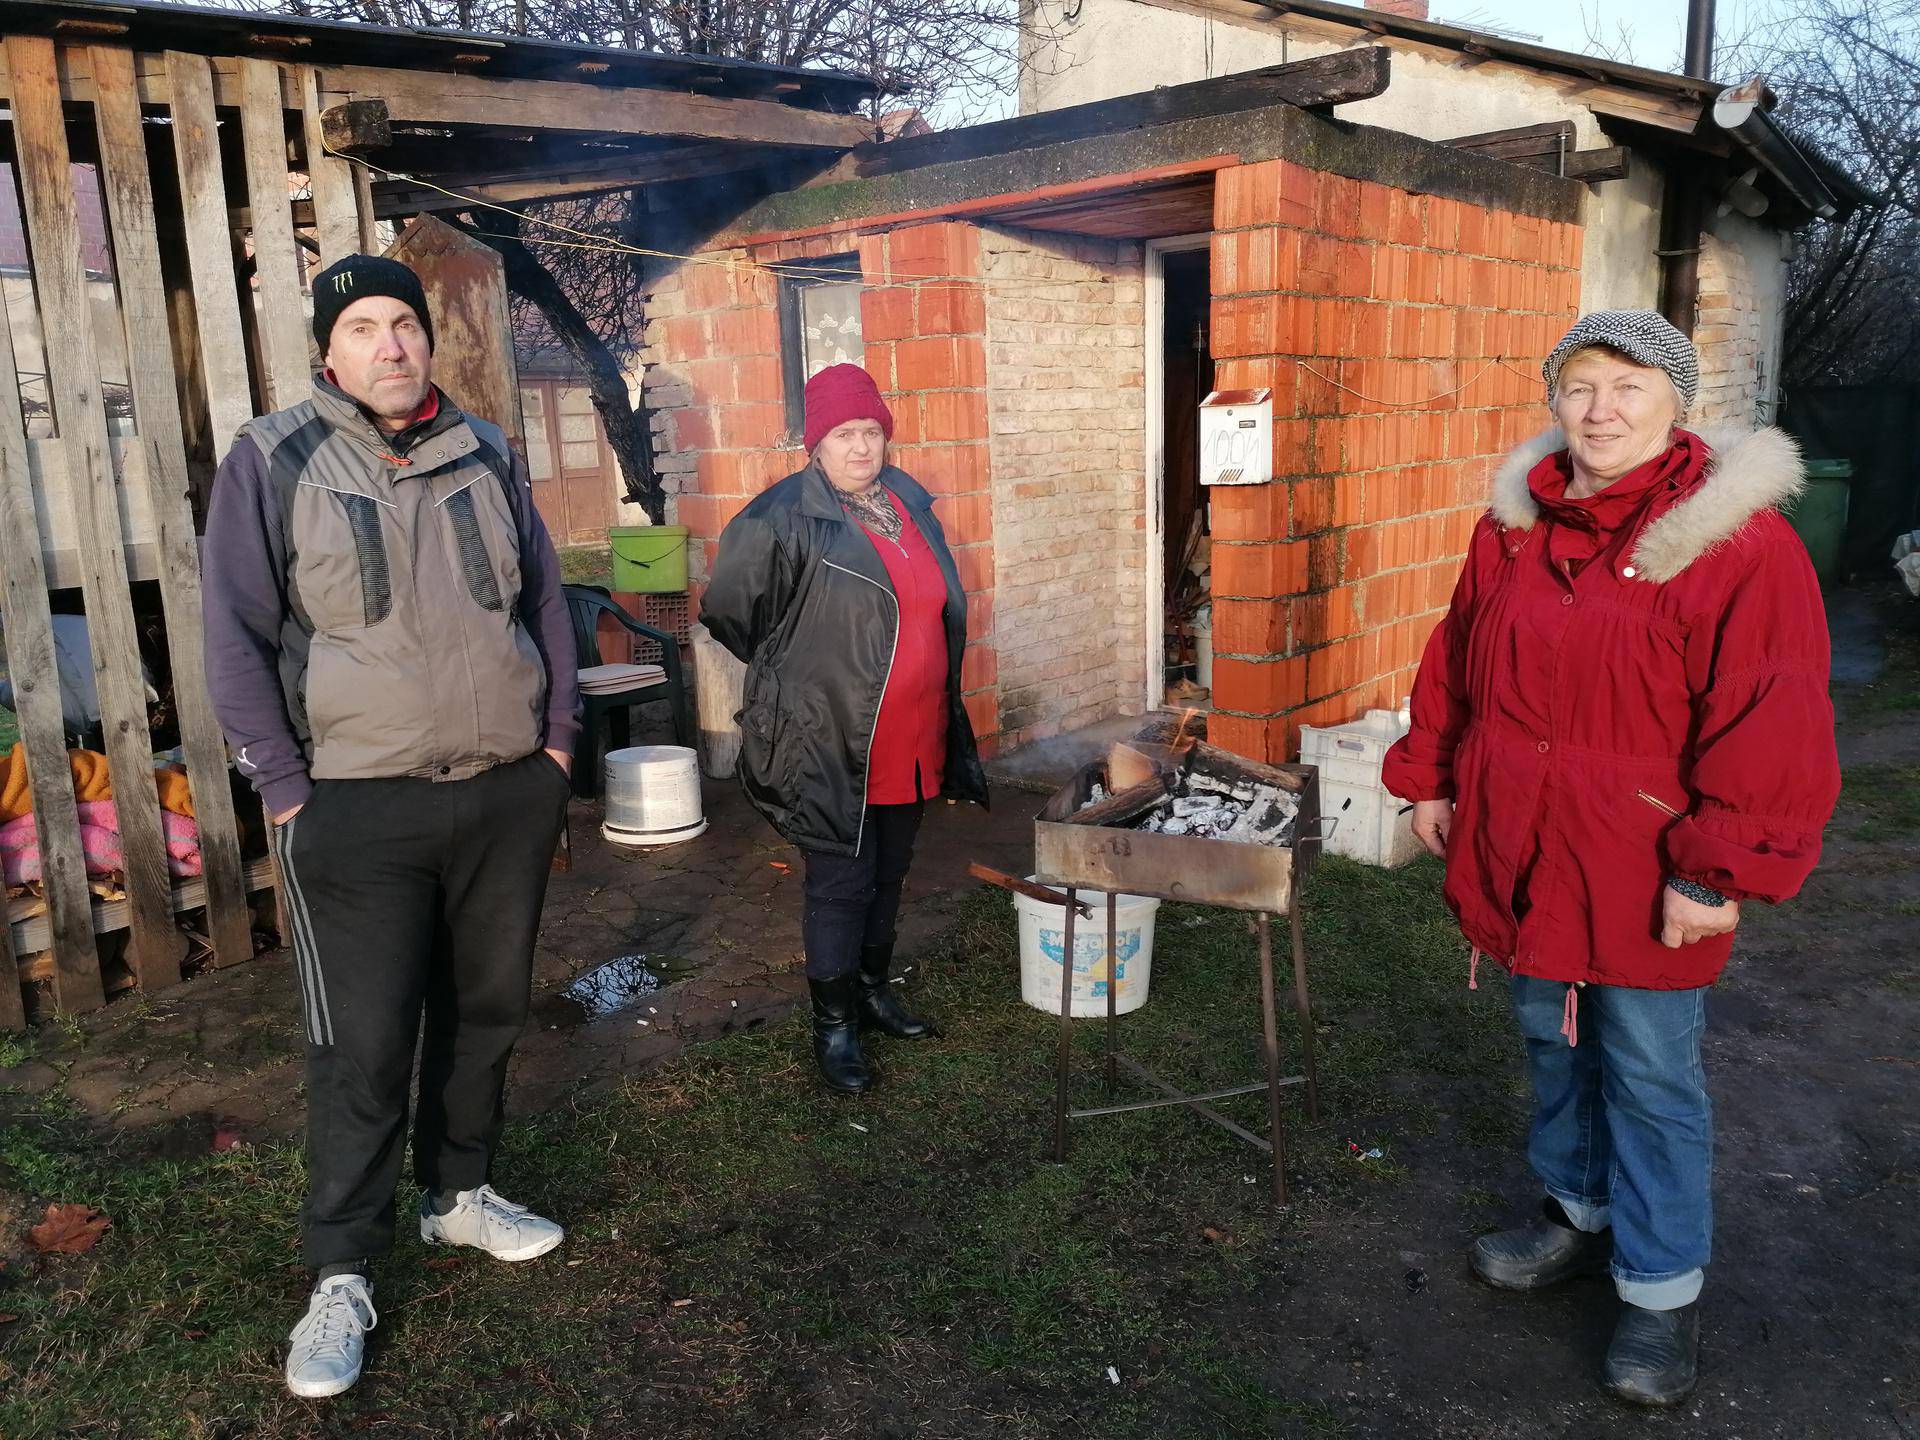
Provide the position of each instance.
(1353, 1314)
(1812, 1312)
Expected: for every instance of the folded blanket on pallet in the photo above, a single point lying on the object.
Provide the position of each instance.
(90, 782)
(99, 843)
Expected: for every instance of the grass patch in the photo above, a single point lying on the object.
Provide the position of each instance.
(1889, 797)
(1896, 690)
(930, 1274)
(586, 565)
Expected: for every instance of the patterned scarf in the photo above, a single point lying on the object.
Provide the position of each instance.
(874, 508)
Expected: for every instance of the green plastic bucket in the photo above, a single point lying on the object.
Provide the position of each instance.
(650, 559)
(1820, 514)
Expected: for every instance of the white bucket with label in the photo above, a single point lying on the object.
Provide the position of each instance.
(653, 795)
(1043, 939)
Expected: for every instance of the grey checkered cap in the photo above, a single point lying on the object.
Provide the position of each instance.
(1644, 336)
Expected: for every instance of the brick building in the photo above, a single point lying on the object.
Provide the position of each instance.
(1044, 300)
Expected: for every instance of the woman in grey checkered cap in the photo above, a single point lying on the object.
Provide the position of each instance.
(1621, 733)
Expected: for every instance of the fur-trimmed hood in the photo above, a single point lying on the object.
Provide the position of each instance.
(1747, 471)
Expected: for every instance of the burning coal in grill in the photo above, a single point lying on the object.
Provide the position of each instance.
(1215, 807)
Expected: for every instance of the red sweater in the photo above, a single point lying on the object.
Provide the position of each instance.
(910, 737)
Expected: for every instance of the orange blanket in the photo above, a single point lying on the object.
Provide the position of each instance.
(90, 782)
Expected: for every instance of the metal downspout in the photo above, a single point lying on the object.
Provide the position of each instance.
(1683, 210)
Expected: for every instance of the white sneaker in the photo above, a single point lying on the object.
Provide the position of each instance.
(484, 1220)
(323, 1353)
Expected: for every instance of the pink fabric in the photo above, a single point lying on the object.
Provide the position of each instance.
(99, 844)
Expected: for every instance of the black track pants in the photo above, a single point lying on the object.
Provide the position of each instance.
(411, 900)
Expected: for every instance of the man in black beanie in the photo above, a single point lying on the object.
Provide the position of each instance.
(390, 656)
(385, 359)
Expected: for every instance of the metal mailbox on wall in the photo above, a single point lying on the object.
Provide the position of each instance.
(1236, 437)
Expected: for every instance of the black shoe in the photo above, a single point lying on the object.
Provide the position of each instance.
(836, 1035)
(878, 1008)
(1655, 1355)
(1541, 1253)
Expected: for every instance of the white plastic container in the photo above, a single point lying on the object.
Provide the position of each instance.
(1043, 943)
(718, 680)
(653, 795)
(1366, 823)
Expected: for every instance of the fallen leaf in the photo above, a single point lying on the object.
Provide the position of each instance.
(69, 1230)
(8, 1319)
(1212, 1234)
(445, 1262)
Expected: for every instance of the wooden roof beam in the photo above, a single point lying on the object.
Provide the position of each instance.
(567, 183)
(1548, 147)
(420, 98)
(1317, 83)
(549, 180)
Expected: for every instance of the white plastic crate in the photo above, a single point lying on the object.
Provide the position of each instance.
(1373, 827)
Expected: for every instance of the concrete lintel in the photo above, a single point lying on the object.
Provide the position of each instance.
(1361, 152)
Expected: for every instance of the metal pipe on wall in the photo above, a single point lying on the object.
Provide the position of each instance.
(1684, 209)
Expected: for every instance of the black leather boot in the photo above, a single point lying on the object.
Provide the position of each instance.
(878, 1007)
(1541, 1253)
(1655, 1355)
(836, 1035)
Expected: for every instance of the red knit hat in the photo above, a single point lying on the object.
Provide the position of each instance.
(841, 393)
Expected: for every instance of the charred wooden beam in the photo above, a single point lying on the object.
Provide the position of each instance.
(1521, 142)
(356, 127)
(566, 182)
(1548, 147)
(1611, 163)
(1314, 84)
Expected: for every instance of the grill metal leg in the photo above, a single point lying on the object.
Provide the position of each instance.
(1271, 1032)
(1064, 1065)
(1303, 1008)
(1113, 990)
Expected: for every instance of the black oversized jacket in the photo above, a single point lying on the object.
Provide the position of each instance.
(800, 594)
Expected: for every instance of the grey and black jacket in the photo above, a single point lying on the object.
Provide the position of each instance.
(381, 606)
(799, 593)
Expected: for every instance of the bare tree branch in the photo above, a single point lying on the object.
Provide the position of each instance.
(963, 55)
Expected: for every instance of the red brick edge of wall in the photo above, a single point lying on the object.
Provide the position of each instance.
(1327, 582)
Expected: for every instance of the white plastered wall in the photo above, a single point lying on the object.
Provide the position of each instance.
(1120, 47)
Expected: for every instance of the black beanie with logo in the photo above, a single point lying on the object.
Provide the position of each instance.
(355, 278)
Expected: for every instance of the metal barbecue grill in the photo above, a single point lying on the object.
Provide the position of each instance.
(1087, 839)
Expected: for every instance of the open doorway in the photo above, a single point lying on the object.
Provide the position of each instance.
(1179, 375)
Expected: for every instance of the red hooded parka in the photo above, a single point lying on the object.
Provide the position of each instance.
(1625, 689)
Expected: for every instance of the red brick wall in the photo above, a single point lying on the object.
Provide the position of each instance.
(1328, 581)
(714, 382)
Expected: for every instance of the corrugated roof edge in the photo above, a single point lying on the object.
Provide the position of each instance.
(1848, 191)
(1496, 47)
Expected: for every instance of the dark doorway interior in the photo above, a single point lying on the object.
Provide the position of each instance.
(1186, 369)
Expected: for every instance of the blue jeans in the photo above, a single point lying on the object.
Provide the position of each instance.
(1622, 1128)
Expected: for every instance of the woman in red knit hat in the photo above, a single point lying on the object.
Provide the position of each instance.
(837, 590)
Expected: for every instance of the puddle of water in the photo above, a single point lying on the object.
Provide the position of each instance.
(611, 987)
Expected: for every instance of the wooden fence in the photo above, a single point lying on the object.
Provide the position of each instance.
(206, 276)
